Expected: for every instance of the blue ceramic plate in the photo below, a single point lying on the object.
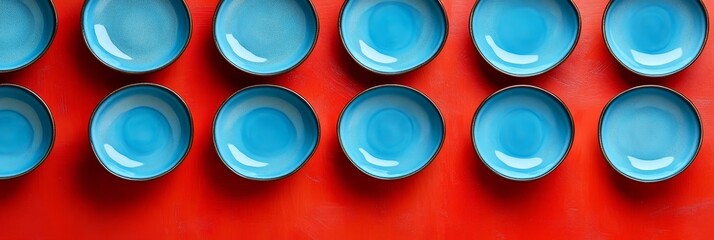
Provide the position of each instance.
(655, 37)
(27, 28)
(650, 133)
(391, 131)
(525, 38)
(393, 36)
(522, 132)
(265, 132)
(136, 36)
(27, 130)
(265, 37)
(141, 131)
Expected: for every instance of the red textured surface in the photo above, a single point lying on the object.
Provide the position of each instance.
(455, 196)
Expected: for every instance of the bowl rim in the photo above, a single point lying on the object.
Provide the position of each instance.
(398, 86)
(275, 87)
(156, 87)
(567, 55)
(387, 73)
(83, 18)
(558, 101)
(273, 73)
(666, 89)
(53, 32)
(52, 124)
(699, 53)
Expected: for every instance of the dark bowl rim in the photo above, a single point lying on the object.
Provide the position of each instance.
(666, 89)
(547, 93)
(400, 86)
(277, 87)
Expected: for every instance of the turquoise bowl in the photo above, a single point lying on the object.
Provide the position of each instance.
(655, 38)
(265, 37)
(27, 131)
(391, 131)
(522, 132)
(27, 29)
(393, 36)
(650, 133)
(525, 38)
(141, 131)
(265, 132)
(134, 36)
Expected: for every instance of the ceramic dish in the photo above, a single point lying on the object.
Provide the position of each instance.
(136, 36)
(265, 37)
(265, 132)
(141, 131)
(650, 133)
(28, 27)
(525, 38)
(27, 131)
(522, 132)
(393, 36)
(655, 38)
(391, 131)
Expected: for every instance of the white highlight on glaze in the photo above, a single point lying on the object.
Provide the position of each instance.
(244, 159)
(650, 165)
(106, 42)
(376, 161)
(656, 59)
(32, 117)
(120, 158)
(518, 163)
(508, 56)
(241, 51)
(375, 55)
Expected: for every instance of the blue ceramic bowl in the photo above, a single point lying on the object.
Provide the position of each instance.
(265, 132)
(265, 37)
(522, 132)
(393, 36)
(27, 131)
(27, 28)
(136, 36)
(655, 38)
(391, 131)
(650, 133)
(525, 38)
(141, 131)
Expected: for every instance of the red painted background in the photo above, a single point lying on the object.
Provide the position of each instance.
(456, 196)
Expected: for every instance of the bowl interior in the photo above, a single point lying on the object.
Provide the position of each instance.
(650, 133)
(27, 30)
(655, 38)
(391, 131)
(522, 133)
(141, 132)
(26, 131)
(265, 132)
(525, 38)
(136, 36)
(265, 37)
(393, 36)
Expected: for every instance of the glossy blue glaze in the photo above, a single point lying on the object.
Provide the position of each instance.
(391, 131)
(26, 30)
(265, 37)
(650, 133)
(136, 36)
(525, 38)
(522, 132)
(265, 132)
(655, 37)
(26, 131)
(141, 132)
(393, 36)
